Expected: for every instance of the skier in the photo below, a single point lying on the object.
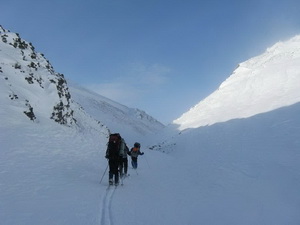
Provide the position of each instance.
(113, 156)
(124, 151)
(134, 153)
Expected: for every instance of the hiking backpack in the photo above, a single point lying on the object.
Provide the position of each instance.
(123, 152)
(113, 146)
(134, 152)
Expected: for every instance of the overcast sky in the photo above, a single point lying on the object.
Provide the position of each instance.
(161, 56)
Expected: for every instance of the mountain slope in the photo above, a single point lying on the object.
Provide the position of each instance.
(47, 142)
(133, 124)
(30, 86)
(52, 150)
(32, 89)
(243, 171)
(261, 84)
(235, 160)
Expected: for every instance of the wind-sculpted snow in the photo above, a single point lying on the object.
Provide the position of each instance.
(261, 84)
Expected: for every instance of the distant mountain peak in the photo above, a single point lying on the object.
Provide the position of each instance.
(260, 84)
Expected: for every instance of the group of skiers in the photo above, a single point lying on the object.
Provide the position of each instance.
(116, 154)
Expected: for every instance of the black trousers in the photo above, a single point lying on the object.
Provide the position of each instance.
(123, 166)
(114, 170)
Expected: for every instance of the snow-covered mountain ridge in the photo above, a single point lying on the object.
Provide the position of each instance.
(132, 123)
(244, 167)
(29, 83)
(32, 89)
(260, 84)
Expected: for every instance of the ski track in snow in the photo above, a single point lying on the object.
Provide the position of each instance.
(106, 212)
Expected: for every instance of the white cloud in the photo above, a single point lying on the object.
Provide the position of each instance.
(120, 92)
(135, 83)
(154, 75)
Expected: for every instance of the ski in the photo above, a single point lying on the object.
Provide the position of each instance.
(123, 178)
(111, 186)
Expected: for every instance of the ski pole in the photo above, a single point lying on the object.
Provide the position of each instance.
(122, 179)
(121, 175)
(147, 161)
(103, 174)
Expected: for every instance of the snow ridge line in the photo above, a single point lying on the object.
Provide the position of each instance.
(106, 212)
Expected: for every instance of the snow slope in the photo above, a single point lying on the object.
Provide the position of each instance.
(47, 171)
(133, 124)
(52, 151)
(47, 142)
(244, 171)
(260, 84)
(236, 158)
(29, 83)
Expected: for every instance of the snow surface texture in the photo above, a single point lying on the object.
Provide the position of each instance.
(261, 84)
(243, 171)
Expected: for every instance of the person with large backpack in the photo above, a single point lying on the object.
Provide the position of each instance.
(113, 156)
(134, 153)
(124, 151)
